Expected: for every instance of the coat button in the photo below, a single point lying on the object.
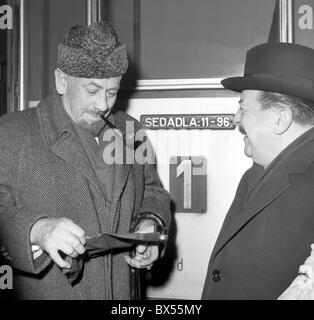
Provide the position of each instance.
(216, 275)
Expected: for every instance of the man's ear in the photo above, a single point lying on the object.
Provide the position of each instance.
(283, 121)
(61, 81)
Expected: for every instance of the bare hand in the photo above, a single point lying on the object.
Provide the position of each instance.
(145, 255)
(53, 234)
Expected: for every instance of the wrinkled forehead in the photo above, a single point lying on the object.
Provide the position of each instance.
(106, 83)
(249, 97)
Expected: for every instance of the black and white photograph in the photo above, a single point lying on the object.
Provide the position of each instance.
(158, 154)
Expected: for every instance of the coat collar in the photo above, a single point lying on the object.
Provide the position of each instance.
(53, 119)
(60, 137)
(270, 189)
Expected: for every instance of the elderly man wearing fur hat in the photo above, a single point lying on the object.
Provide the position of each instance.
(58, 192)
(268, 230)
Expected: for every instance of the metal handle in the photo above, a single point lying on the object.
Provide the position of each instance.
(23, 48)
(93, 11)
(286, 20)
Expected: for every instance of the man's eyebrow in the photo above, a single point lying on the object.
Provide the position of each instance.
(93, 83)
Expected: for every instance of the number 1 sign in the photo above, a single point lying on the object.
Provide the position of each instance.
(188, 183)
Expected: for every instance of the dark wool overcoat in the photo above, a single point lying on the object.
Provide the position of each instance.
(45, 172)
(263, 241)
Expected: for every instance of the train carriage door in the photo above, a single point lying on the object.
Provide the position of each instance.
(181, 51)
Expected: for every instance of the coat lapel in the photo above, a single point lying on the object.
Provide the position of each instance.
(121, 170)
(269, 190)
(68, 148)
(268, 193)
(60, 137)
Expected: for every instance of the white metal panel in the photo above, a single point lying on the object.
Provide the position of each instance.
(226, 162)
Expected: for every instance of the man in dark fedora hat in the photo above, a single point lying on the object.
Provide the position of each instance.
(62, 195)
(268, 230)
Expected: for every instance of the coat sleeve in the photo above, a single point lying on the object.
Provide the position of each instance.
(156, 199)
(16, 220)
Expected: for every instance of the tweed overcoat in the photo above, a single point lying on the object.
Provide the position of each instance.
(45, 172)
(263, 242)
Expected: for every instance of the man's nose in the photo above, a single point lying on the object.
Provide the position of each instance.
(103, 103)
(236, 118)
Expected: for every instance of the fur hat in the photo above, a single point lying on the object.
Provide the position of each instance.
(92, 52)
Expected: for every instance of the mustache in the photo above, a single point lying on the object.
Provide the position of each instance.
(241, 129)
(98, 113)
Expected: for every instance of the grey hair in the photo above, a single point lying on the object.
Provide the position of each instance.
(302, 109)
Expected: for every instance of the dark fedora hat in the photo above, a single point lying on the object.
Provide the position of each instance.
(286, 68)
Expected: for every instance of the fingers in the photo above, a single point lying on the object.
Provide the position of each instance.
(55, 256)
(60, 234)
(146, 226)
(66, 238)
(143, 259)
(145, 255)
(74, 243)
(140, 249)
(69, 226)
(68, 250)
(77, 231)
(53, 248)
(68, 242)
